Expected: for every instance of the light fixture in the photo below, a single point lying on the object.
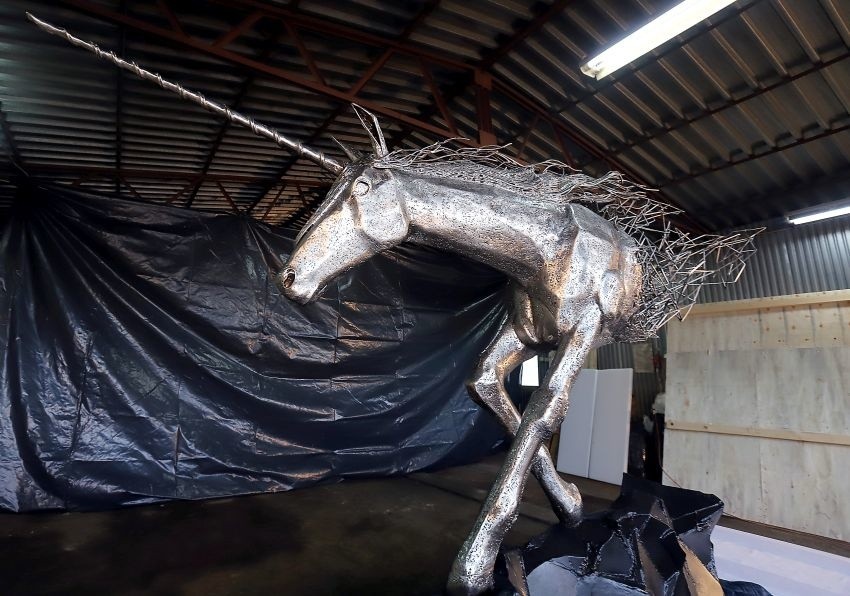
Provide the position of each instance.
(832, 210)
(666, 26)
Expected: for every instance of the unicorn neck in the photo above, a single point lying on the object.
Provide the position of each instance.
(479, 222)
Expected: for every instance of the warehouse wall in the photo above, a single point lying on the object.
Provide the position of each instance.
(757, 409)
(758, 391)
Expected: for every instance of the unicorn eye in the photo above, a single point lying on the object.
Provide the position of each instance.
(361, 187)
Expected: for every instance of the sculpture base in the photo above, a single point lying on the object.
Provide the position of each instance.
(654, 539)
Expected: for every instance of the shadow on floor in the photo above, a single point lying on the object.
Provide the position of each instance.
(383, 536)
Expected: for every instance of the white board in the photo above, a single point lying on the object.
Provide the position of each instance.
(609, 443)
(595, 433)
(574, 444)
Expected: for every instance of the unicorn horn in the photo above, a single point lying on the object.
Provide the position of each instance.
(325, 161)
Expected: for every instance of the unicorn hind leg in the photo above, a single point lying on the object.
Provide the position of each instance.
(487, 389)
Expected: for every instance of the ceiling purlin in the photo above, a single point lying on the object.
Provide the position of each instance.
(423, 14)
(688, 120)
(522, 31)
(666, 49)
(267, 49)
(296, 79)
(697, 172)
(93, 172)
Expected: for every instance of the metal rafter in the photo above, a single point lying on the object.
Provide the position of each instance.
(345, 96)
(423, 14)
(236, 58)
(559, 127)
(93, 172)
(265, 52)
(696, 173)
(687, 121)
(327, 27)
(522, 31)
(657, 55)
(342, 95)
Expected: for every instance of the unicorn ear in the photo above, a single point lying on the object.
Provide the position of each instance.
(350, 152)
(373, 129)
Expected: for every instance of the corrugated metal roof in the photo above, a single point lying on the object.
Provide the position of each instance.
(732, 121)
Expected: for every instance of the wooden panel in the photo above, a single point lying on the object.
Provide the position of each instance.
(778, 372)
(817, 326)
(844, 316)
(728, 467)
(716, 388)
(805, 487)
(799, 326)
(827, 327)
(803, 390)
(716, 308)
(773, 333)
(752, 431)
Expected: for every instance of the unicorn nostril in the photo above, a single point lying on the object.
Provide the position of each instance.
(288, 277)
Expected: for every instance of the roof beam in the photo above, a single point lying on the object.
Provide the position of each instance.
(268, 48)
(400, 45)
(687, 121)
(522, 31)
(246, 24)
(285, 75)
(345, 96)
(423, 14)
(731, 162)
(92, 172)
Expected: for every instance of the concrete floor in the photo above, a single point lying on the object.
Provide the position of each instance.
(383, 536)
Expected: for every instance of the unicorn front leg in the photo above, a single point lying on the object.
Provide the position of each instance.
(472, 572)
(487, 389)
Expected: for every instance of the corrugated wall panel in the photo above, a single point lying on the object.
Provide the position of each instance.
(813, 257)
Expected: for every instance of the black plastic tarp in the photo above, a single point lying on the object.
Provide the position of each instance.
(147, 355)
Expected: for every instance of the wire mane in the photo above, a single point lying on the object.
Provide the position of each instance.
(675, 264)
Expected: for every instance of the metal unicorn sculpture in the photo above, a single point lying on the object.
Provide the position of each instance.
(591, 260)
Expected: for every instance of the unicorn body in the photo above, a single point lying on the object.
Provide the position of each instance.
(575, 282)
(580, 277)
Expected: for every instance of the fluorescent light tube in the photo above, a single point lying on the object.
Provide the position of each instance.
(801, 219)
(665, 27)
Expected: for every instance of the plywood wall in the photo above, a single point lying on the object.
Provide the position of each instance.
(758, 409)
